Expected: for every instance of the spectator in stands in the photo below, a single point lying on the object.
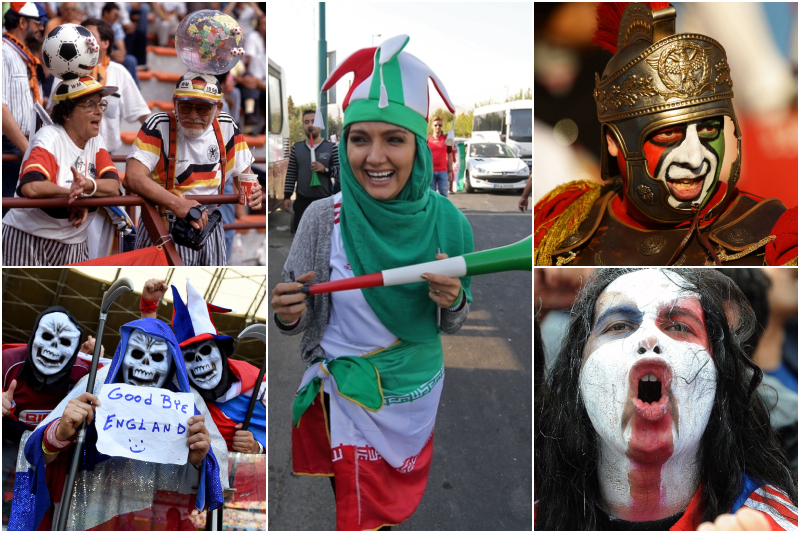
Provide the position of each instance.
(111, 14)
(245, 14)
(66, 159)
(68, 13)
(254, 82)
(202, 132)
(136, 32)
(299, 173)
(127, 102)
(21, 87)
(231, 104)
(169, 16)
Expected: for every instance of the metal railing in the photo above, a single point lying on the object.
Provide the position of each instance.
(150, 218)
(116, 158)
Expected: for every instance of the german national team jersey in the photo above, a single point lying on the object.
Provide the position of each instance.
(50, 155)
(32, 406)
(197, 165)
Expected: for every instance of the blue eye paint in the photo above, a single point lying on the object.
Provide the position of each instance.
(624, 311)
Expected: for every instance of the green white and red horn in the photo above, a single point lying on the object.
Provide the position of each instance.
(517, 256)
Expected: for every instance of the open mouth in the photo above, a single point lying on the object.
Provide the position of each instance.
(379, 178)
(50, 359)
(685, 185)
(95, 124)
(141, 378)
(650, 381)
(204, 372)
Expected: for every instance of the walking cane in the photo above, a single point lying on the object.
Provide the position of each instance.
(117, 289)
(258, 331)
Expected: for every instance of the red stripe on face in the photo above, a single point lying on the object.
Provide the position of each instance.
(652, 152)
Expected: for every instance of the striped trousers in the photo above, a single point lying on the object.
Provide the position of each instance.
(214, 253)
(25, 249)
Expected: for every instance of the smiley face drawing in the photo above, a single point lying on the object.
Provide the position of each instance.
(131, 448)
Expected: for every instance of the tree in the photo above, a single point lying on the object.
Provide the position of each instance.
(527, 94)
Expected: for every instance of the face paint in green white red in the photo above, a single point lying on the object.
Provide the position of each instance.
(687, 157)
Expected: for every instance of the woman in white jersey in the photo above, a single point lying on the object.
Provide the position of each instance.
(366, 407)
(64, 160)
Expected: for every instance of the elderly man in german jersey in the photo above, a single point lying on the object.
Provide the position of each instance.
(205, 139)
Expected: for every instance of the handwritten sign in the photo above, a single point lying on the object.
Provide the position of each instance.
(143, 423)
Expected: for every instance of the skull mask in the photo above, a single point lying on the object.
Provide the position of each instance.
(147, 361)
(55, 343)
(204, 363)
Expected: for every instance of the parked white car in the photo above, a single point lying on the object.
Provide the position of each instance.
(493, 165)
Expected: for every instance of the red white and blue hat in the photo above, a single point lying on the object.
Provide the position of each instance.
(192, 322)
(27, 9)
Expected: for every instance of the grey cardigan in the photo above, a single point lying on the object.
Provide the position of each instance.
(311, 250)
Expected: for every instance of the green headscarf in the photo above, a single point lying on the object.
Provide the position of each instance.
(406, 230)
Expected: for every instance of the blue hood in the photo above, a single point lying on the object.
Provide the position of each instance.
(156, 328)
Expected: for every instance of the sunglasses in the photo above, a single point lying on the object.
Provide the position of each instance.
(202, 109)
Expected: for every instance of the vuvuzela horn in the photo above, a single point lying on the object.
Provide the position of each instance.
(517, 256)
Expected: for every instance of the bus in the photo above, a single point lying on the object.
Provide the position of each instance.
(511, 123)
(278, 145)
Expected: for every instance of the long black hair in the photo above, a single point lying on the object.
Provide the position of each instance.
(738, 439)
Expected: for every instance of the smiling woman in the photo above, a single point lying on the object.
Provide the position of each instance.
(381, 156)
(375, 356)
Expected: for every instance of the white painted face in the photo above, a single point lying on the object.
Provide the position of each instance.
(203, 363)
(648, 380)
(54, 343)
(689, 169)
(147, 360)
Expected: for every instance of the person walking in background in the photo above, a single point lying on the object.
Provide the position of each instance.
(299, 174)
(526, 192)
(442, 158)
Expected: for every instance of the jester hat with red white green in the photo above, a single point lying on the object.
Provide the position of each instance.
(389, 86)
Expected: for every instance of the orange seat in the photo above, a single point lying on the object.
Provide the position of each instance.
(162, 50)
(167, 76)
(255, 140)
(128, 136)
(145, 74)
(163, 105)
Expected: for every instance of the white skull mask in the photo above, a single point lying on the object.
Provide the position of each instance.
(54, 343)
(147, 361)
(204, 363)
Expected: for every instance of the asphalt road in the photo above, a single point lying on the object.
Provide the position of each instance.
(480, 478)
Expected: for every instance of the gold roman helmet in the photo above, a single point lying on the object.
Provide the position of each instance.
(658, 79)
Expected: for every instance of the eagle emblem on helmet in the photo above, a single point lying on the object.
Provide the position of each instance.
(684, 68)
